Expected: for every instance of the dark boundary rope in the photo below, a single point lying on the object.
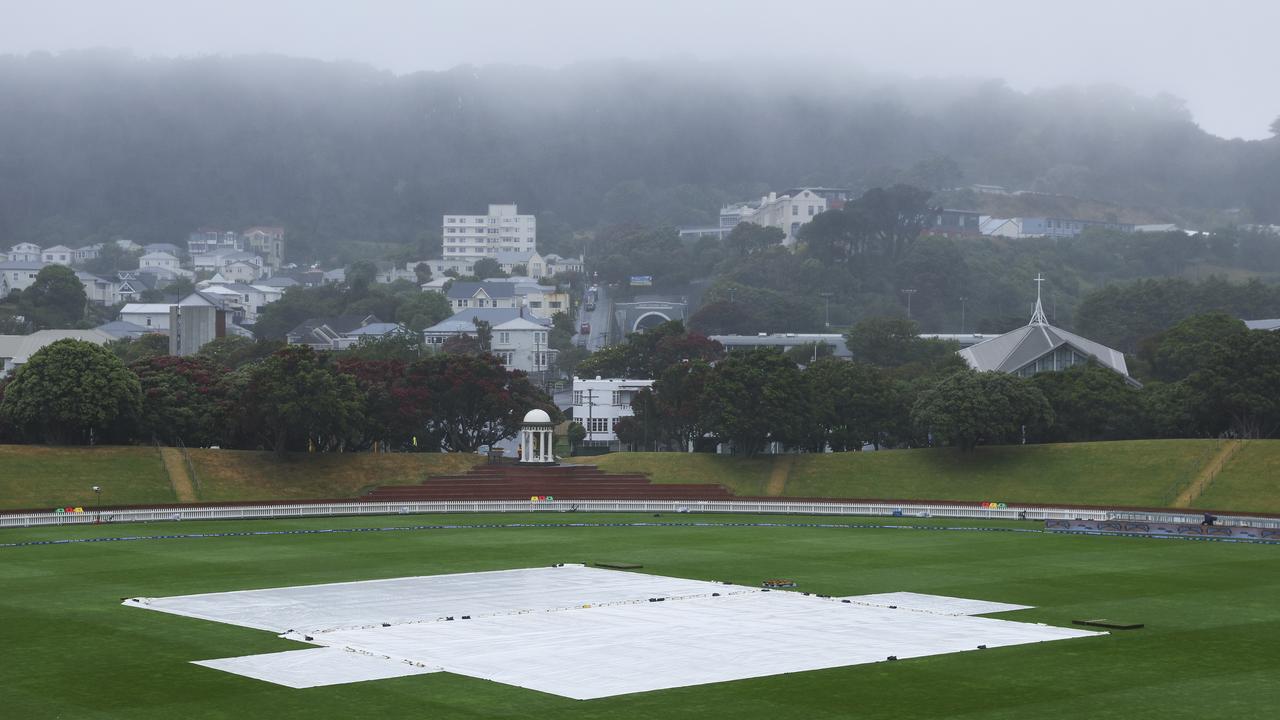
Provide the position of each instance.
(492, 526)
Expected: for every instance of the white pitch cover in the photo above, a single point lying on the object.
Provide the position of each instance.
(315, 667)
(936, 604)
(585, 633)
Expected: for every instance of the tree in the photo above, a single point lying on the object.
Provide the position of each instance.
(422, 310)
(967, 408)
(296, 402)
(893, 217)
(395, 408)
(422, 271)
(182, 400)
(1238, 387)
(747, 238)
(131, 350)
(486, 268)
(647, 354)
(475, 401)
(757, 397)
(1090, 402)
(854, 403)
(1184, 348)
(73, 392)
(56, 299)
(673, 410)
(892, 342)
(234, 351)
(360, 276)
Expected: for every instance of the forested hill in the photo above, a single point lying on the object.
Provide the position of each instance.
(100, 144)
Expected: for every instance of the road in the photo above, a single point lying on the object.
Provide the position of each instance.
(599, 319)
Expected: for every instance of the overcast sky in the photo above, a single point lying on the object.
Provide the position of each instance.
(1221, 56)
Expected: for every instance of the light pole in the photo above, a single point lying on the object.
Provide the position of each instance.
(827, 313)
(909, 292)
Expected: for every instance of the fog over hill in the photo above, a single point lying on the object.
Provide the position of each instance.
(95, 144)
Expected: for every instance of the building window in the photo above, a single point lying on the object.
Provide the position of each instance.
(598, 425)
(617, 398)
(577, 397)
(504, 338)
(795, 209)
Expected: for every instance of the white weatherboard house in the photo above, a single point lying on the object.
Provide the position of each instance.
(520, 342)
(599, 404)
(16, 349)
(503, 229)
(153, 316)
(18, 275)
(788, 213)
(58, 255)
(1040, 347)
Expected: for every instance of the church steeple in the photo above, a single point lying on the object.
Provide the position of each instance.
(1037, 316)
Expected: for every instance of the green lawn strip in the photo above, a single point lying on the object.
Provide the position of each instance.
(37, 476)
(1249, 481)
(73, 651)
(470, 520)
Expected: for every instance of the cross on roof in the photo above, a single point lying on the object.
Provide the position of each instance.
(1037, 316)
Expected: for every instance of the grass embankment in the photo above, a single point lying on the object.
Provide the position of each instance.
(1138, 472)
(1207, 649)
(36, 476)
(251, 475)
(1249, 481)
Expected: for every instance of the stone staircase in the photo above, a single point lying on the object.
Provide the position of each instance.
(563, 482)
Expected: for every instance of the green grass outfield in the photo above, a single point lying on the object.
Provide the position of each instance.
(70, 650)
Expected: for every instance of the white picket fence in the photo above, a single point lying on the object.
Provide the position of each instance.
(759, 507)
(763, 507)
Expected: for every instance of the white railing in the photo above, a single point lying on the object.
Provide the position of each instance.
(1193, 517)
(762, 507)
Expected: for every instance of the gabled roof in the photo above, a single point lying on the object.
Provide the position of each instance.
(21, 347)
(124, 329)
(377, 329)
(464, 290)
(58, 248)
(1015, 350)
(341, 324)
(145, 309)
(464, 320)
(519, 324)
(279, 281)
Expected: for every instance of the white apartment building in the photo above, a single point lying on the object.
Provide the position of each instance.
(785, 212)
(481, 236)
(600, 403)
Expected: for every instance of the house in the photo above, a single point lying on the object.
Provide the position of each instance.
(542, 300)
(18, 275)
(512, 260)
(58, 255)
(461, 267)
(389, 272)
(243, 271)
(372, 332)
(1026, 227)
(157, 259)
(478, 236)
(250, 299)
(88, 252)
(464, 295)
(127, 245)
(169, 248)
(267, 241)
(786, 212)
(521, 343)
(328, 333)
(953, 223)
(132, 283)
(152, 316)
(519, 340)
(208, 240)
(219, 260)
(98, 290)
(15, 350)
(1040, 347)
(556, 264)
(599, 404)
(25, 252)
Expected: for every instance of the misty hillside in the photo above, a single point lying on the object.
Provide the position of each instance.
(101, 144)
